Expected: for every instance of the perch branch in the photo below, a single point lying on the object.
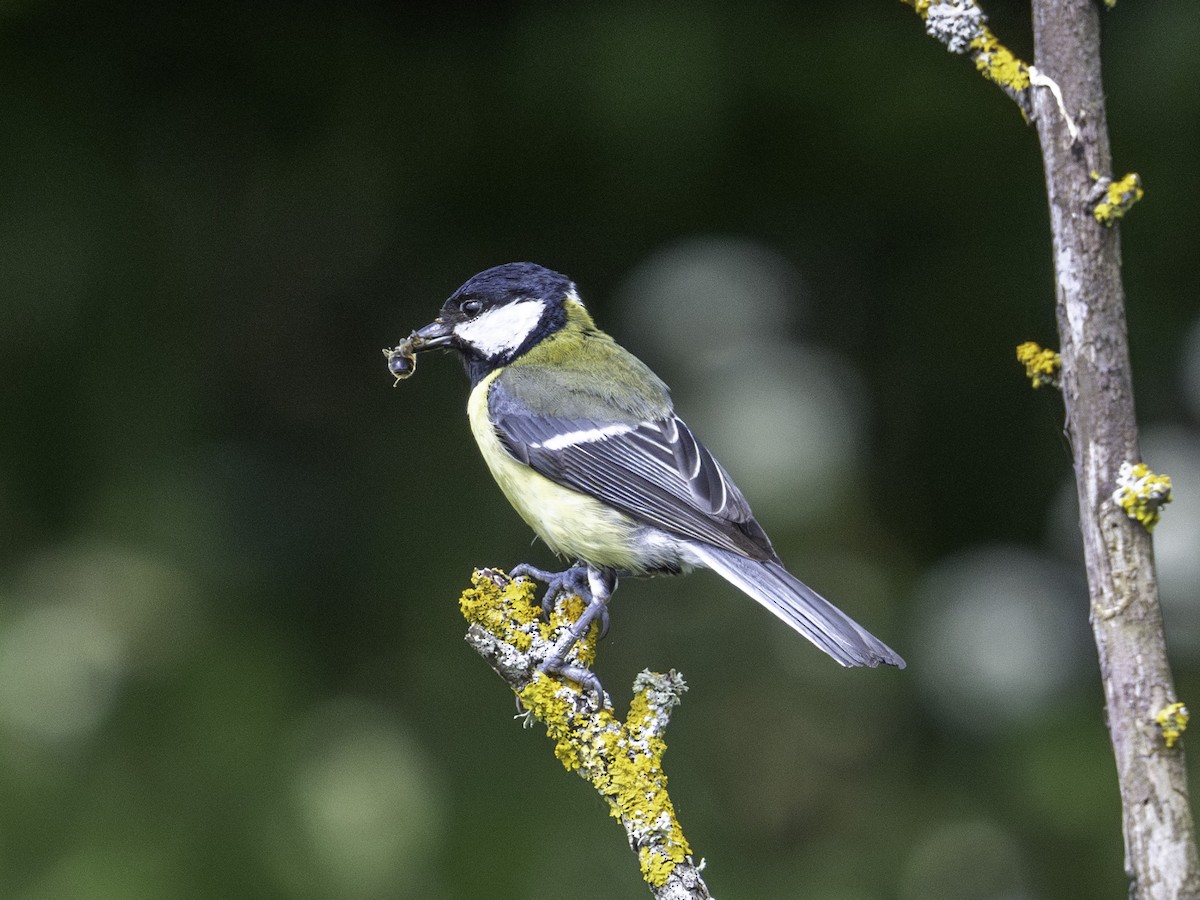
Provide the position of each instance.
(621, 760)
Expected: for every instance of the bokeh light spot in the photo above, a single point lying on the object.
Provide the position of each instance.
(999, 632)
(974, 860)
(366, 804)
(59, 670)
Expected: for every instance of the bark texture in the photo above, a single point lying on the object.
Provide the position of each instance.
(1160, 849)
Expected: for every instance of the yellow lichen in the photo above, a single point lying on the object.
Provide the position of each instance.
(1118, 198)
(1042, 365)
(1172, 720)
(1142, 493)
(997, 63)
(545, 697)
(508, 613)
(656, 867)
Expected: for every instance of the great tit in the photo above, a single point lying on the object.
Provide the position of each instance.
(584, 442)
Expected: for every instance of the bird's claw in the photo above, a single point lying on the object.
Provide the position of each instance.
(603, 623)
(585, 678)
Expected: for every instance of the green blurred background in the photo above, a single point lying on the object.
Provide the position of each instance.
(230, 653)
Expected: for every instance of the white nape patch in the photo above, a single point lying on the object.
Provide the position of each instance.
(573, 295)
(502, 329)
(584, 436)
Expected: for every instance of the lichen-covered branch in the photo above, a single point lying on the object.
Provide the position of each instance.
(621, 760)
(962, 26)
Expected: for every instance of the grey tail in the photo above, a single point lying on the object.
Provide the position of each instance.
(801, 607)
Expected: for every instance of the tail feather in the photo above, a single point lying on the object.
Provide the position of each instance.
(801, 607)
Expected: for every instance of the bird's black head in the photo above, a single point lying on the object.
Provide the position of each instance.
(499, 314)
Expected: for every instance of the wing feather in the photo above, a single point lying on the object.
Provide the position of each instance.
(655, 471)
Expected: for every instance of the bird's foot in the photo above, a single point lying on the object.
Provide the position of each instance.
(569, 582)
(594, 586)
(565, 583)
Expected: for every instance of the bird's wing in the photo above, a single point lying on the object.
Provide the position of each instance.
(654, 471)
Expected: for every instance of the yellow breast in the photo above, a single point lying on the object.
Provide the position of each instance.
(572, 524)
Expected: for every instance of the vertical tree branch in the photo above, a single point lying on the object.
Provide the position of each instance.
(1063, 91)
(1160, 849)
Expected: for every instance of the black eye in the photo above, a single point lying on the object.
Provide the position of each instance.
(472, 307)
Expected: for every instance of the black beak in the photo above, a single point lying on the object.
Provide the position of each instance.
(436, 334)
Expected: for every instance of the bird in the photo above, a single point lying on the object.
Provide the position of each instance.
(583, 439)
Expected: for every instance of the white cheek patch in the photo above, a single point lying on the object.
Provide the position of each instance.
(502, 329)
(586, 436)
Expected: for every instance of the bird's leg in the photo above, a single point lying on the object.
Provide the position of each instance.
(601, 584)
